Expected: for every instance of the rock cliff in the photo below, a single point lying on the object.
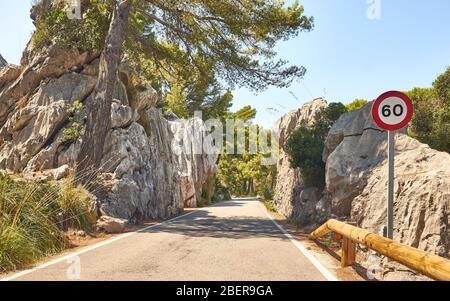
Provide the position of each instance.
(356, 182)
(356, 185)
(42, 114)
(291, 198)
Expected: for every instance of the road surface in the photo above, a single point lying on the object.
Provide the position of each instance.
(234, 240)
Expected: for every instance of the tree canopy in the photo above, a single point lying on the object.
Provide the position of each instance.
(356, 105)
(245, 172)
(198, 45)
(431, 121)
(231, 39)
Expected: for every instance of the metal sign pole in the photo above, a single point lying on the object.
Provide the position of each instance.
(392, 111)
(390, 199)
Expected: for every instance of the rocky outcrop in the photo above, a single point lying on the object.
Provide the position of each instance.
(196, 160)
(42, 116)
(356, 182)
(3, 62)
(356, 185)
(291, 198)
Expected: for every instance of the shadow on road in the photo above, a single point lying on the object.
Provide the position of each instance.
(203, 224)
(234, 203)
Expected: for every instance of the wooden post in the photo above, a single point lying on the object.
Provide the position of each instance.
(429, 264)
(348, 253)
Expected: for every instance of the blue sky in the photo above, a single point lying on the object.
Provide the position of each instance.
(347, 55)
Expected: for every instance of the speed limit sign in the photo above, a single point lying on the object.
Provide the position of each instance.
(392, 111)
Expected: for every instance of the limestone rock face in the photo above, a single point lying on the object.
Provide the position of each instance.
(196, 160)
(356, 182)
(290, 198)
(353, 147)
(40, 133)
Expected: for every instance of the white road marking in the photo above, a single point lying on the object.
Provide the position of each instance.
(88, 249)
(319, 266)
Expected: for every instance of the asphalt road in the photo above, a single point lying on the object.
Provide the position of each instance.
(233, 240)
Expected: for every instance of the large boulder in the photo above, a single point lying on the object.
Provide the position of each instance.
(291, 197)
(356, 182)
(353, 147)
(111, 225)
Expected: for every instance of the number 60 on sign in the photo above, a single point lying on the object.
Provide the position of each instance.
(392, 111)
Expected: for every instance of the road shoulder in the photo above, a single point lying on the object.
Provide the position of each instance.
(326, 259)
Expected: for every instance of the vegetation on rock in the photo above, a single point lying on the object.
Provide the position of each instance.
(306, 143)
(74, 130)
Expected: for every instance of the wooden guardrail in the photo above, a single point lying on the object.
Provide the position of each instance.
(431, 265)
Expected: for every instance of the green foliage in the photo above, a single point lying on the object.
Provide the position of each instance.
(245, 174)
(267, 193)
(269, 205)
(192, 46)
(33, 218)
(206, 39)
(305, 148)
(75, 108)
(89, 33)
(356, 105)
(305, 145)
(203, 45)
(176, 102)
(325, 119)
(442, 86)
(216, 107)
(75, 207)
(75, 128)
(441, 130)
(72, 133)
(245, 114)
(431, 121)
(221, 193)
(425, 101)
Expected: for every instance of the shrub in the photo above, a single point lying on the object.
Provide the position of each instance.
(431, 121)
(305, 145)
(33, 218)
(442, 86)
(75, 128)
(267, 193)
(356, 105)
(269, 205)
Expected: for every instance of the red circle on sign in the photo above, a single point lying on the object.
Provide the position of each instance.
(392, 127)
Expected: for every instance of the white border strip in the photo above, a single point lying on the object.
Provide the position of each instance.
(319, 266)
(88, 249)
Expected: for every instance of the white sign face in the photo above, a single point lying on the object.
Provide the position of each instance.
(392, 110)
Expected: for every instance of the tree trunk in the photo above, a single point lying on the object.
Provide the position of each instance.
(99, 104)
(251, 188)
